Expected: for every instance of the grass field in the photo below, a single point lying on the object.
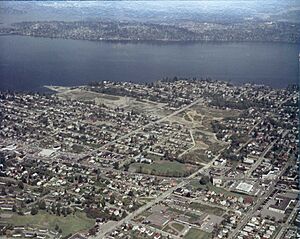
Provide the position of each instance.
(197, 156)
(177, 226)
(197, 234)
(164, 168)
(146, 199)
(170, 230)
(69, 224)
(208, 209)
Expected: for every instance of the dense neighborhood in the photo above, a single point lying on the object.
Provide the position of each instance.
(186, 31)
(177, 158)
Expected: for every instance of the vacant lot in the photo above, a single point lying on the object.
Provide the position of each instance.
(205, 115)
(164, 168)
(68, 224)
(170, 230)
(208, 209)
(177, 226)
(206, 146)
(197, 234)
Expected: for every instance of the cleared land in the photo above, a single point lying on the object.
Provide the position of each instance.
(170, 230)
(177, 226)
(197, 234)
(200, 116)
(82, 94)
(208, 209)
(68, 224)
(164, 168)
(198, 119)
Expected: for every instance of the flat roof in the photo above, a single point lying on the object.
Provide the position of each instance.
(245, 187)
(47, 152)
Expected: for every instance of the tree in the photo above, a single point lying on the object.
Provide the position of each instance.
(116, 165)
(20, 212)
(64, 211)
(14, 208)
(112, 199)
(130, 193)
(69, 210)
(3, 191)
(56, 227)
(10, 190)
(126, 167)
(102, 202)
(204, 180)
(58, 211)
(53, 208)
(34, 211)
(124, 214)
(42, 205)
(21, 185)
(98, 177)
(93, 231)
(80, 179)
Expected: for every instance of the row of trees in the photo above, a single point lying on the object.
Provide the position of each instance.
(54, 208)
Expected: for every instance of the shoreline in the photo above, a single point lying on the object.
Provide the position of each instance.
(154, 41)
(55, 89)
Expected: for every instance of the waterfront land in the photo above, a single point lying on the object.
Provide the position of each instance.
(189, 31)
(177, 158)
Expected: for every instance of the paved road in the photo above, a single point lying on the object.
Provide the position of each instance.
(286, 224)
(167, 193)
(155, 201)
(141, 129)
(164, 194)
(261, 158)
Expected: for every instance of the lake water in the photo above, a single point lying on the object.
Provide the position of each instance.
(28, 63)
